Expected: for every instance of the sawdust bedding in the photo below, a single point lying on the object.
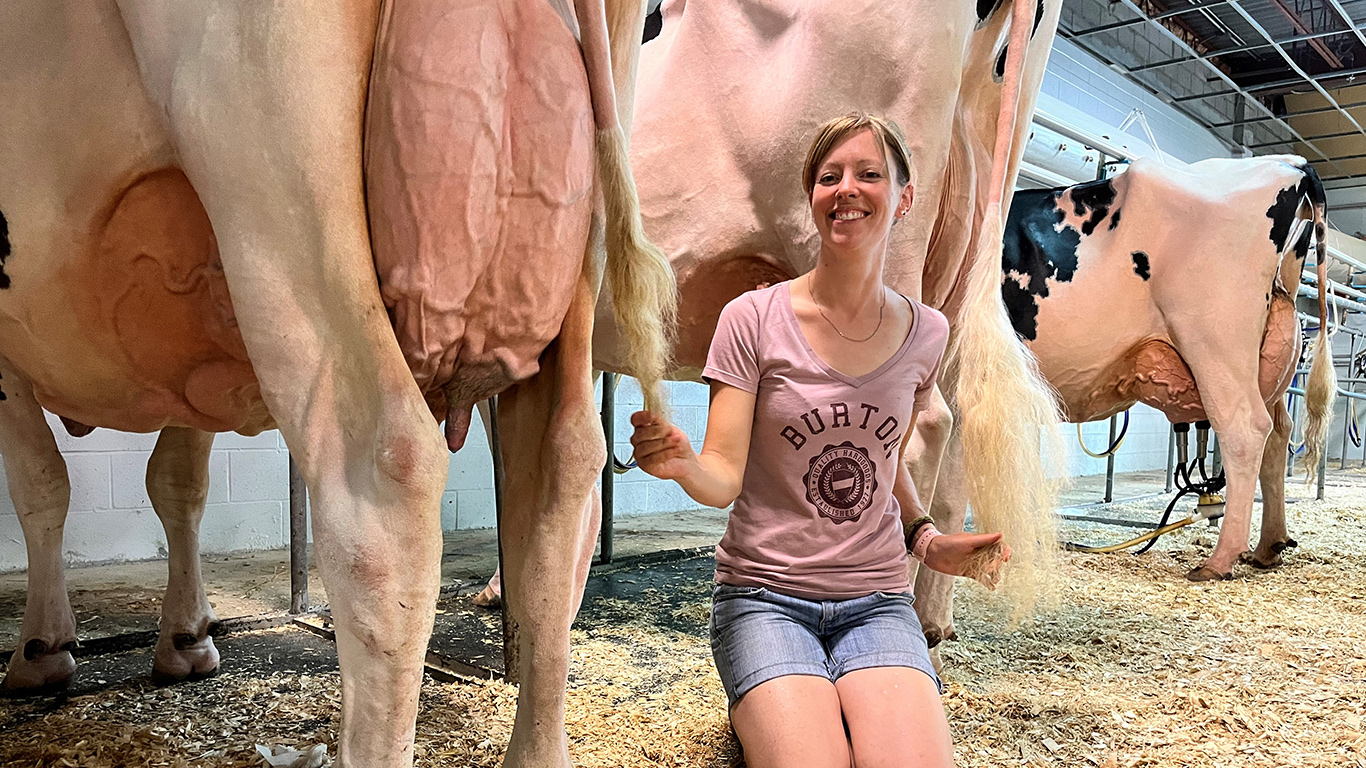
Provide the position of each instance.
(1134, 667)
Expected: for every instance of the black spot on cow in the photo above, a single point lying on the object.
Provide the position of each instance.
(985, 8)
(1114, 220)
(4, 250)
(999, 72)
(1283, 212)
(1141, 265)
(1094, 197)
(653, 23)
(3, 396)
(1033, 252)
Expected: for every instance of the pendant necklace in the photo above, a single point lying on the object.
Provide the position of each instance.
(880, 309)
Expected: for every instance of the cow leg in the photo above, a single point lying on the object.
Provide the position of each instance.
(1274, 537)
(270, 137)
(933, 590)
(41, 493)
(178, 485)
(553, 450)
(1241, 420)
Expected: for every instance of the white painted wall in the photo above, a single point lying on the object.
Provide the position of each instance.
(1079, 90)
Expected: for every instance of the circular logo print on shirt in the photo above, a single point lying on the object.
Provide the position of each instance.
(841, 482)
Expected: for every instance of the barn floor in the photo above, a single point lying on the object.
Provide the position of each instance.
(1132, 667)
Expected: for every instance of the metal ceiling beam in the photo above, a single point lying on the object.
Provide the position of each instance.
(1311, 138)
(1199, 96)
(1298, 113)
(1143, 17)
(1290, 61)
(1252, 100)
(1241, 49)
(1338, 75)
(1352, 25)
(1295, 21)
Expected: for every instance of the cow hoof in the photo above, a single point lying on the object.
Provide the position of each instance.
(937, 662)
(1206, 573)
(489, 598)
(35, 670)
(1263, 562)
(1267, 558)
(184, 659)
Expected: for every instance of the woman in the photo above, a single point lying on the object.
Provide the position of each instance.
(815, 388)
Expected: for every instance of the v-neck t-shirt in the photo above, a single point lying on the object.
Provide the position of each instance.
(816, 517)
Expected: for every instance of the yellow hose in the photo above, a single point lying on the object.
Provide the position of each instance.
(1132, 542)
(1113, 449)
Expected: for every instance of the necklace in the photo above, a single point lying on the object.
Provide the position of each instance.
(880, 308)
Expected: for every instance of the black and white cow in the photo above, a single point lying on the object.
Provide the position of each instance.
(1173, 287)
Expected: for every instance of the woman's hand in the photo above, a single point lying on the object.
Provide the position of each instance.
(977, 556)
(661, 449)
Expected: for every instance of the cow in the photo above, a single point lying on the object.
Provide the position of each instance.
(738, 88)
(1172, 286)
(341, 219)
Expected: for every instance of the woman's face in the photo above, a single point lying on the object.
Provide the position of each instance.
(856, 196)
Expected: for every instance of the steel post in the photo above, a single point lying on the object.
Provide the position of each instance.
(511, 656)
(1171, 458)
(1110, 462)
(1347, 411)
(609, 417)
(298, 540)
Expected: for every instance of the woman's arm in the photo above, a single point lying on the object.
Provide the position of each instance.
(713, 476)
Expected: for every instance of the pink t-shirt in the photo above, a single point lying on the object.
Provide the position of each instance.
(816, 518)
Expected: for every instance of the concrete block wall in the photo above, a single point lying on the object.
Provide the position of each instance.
(111, 517)
(1144, 446)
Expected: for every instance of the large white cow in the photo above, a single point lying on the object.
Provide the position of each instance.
(186, 248)
(1174, 287)
(730, 94)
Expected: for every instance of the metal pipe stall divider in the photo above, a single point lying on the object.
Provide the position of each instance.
(1110, 462)
(609, 417)
(1171, 457)
(1347, 413)
(512, 671)
(298, 540)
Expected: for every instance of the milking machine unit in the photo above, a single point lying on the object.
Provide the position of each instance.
(1210, 504)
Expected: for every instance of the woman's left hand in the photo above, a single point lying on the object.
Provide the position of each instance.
(977, 556)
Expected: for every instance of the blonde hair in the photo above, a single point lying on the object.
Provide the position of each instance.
(885, 131)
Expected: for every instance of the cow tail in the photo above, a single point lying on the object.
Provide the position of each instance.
(644, 291)
(1008, 413)
(1322, 387)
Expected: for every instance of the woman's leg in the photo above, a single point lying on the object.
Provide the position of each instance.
(895, 718)
(792, 720)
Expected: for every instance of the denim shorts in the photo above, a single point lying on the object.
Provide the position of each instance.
(758, 634)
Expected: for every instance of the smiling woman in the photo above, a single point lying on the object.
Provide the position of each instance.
(812, 625)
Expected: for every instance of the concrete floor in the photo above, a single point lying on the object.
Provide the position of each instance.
(126, 597)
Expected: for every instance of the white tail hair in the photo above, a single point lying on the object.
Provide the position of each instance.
(644, 291)
(1008, 413)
